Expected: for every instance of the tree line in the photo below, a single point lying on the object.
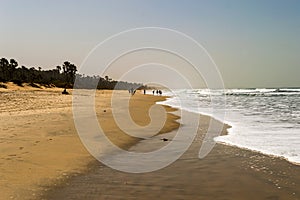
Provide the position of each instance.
(61, 76)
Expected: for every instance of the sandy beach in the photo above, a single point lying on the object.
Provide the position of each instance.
(226, 173)
(151, 100)
(39, 143)
(42, 157)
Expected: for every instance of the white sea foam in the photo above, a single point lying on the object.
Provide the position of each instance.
(264, 120)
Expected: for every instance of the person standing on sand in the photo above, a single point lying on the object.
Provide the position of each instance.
(131, 91)
(144, 91)
(65, 91)
(153, 92)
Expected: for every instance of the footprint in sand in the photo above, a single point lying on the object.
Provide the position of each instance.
(21, 148)
(19, 158)
(10, 156)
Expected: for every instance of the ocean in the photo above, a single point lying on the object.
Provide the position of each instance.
(263, 120)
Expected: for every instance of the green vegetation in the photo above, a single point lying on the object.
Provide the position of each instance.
(61, 76)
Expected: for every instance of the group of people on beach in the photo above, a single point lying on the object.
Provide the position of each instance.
(131, 91)
(158, 92)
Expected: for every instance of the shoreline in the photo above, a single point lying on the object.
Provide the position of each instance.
(230, 126)
(227, 172)
(260, 152)
(256, 172)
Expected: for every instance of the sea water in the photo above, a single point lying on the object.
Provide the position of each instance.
(264, 120)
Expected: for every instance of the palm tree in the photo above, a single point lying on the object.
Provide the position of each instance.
(69, 72)
(4, 65)
(58, 68)
(12, 67)
(24, 73)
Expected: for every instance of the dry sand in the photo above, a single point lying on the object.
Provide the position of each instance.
(39, 145)
(41, 157)
(38, 141)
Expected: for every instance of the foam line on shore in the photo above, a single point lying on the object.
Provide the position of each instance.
(230, 132)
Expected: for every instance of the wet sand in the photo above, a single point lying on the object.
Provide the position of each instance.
(226, 173)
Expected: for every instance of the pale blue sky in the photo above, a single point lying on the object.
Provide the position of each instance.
(254, 43)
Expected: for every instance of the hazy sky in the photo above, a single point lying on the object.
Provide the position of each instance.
(254, 43)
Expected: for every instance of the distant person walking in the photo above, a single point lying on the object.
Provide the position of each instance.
(153, 92)
(131, 91)
(144, 91)
(160, 92)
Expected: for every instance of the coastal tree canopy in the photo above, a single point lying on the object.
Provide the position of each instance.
(61, 76)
